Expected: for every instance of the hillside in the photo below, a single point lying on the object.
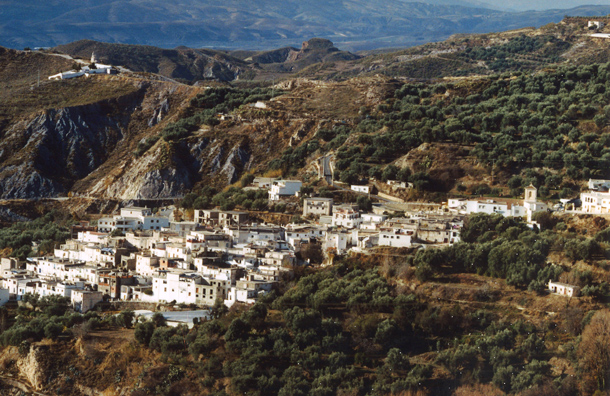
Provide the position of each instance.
(525, 49)
(533, 111)
(473, 318)
(183, 63)
(353, 24)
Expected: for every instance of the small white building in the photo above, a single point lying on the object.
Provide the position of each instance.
(317, 206)
(395, 237)
(598, 184)
(563, 289)
(133, 218)
(361, 189)
(346, 216)
(373, 218)
(531, 203)
(596, 24)
(491, 206)
(182, 228)
(284, 188)
(337, 241)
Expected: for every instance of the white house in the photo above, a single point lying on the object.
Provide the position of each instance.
(188, 288)
(93, 237)
(337, 241)
(563, 289)
(255, 234)
(373, 218)
(596, 24)
(595, 202)
(146, 264)
(17, 284)
(284, 188)
(317, 206)
(182, 228)
(531, 204)
(491, 206)
(599, 184)
(346, 216)
(133, 218)
(135, 211)
(361, 189)
(395, 237)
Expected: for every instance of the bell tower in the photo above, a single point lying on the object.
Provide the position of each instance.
(531, 193)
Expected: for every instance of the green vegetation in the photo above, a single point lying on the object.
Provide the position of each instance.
(505, 56)
(51, 317)
(46, 230)
(205, 107)
(145, 145)
(549, 129)
(230, 199)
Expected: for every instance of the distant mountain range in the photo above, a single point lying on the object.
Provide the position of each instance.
(264, 24)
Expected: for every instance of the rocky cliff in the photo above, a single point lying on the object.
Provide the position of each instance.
(84, 136)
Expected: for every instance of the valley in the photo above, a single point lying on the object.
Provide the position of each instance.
(424, 221)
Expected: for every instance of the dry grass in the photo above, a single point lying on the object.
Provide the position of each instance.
(65, 93)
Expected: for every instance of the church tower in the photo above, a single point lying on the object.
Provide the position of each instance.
(93, 58)
(531, 193)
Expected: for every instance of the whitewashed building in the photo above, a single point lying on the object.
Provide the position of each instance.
(284, 188)
(317, 206)
(395, 237)
(563, 289)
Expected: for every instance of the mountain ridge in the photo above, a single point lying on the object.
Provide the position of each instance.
(352, 25)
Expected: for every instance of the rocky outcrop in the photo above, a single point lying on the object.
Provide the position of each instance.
(41, 157)
(34, 366)
(46, 154)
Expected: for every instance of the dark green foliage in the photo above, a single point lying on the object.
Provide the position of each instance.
(506, 248)
(581, 249)
(126, 318)
(515, 122)
(144, 331)
(227, 200)
(145, 145)
(46, 229)
(207, 105)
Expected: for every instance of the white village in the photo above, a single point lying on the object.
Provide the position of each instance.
(144, 256)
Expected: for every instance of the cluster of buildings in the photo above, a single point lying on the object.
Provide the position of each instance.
(515, 208)
(344, 227)
(157, 260)
(138, 255)
(597, 199)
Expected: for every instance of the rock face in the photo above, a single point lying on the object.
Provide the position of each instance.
(34, 365)
(317, 44)
(42, 155)
(46, 153)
